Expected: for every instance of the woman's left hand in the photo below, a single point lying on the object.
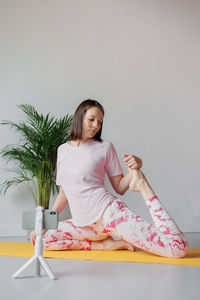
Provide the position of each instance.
(132, 162)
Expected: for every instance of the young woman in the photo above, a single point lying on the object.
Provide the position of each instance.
(96, 213)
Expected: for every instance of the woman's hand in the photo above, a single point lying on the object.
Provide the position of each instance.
(33, 236)
(132, 162)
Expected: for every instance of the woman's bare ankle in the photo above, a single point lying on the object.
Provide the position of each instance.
(146, 190)
(140, 184)
(137, 181)
(97, 245)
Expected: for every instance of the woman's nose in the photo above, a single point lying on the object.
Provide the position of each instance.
(95, 125)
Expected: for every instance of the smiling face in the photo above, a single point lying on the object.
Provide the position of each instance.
(92, 121)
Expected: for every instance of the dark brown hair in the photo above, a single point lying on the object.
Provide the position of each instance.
(76, 128)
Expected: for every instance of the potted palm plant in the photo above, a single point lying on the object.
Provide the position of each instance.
(35, 154)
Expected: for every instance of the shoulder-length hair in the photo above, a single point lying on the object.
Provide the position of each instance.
(76, 128)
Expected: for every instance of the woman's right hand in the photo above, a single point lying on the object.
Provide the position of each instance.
(33, 236)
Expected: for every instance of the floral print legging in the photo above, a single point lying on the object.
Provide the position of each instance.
(162, 238)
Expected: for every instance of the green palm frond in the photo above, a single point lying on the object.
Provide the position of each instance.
(21, 177)
(36, 152)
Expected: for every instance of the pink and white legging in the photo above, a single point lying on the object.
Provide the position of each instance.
(163, 237)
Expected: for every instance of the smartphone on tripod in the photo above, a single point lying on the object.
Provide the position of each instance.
(50, 219)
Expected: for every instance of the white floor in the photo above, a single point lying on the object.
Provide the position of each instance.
(97, 280)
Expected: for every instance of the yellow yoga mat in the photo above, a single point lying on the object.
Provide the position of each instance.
(20, 249)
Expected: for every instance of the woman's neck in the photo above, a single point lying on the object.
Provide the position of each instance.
(78, 142)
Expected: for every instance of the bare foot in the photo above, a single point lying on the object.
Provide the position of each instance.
(137, 180)
(111, 244)
(140, 184)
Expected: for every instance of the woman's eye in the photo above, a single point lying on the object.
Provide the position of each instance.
(93, 120)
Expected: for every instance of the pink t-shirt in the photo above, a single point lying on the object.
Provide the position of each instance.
(81, 173)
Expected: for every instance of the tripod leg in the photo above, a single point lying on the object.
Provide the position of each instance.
(37, 267)
(24, 267)
(46, 267)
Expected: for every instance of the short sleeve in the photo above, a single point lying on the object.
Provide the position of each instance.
(112, 165)
(58, 175)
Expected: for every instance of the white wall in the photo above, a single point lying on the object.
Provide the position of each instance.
(140, 59)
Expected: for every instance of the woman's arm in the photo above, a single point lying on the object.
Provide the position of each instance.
(60, 202)
(120, 183)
